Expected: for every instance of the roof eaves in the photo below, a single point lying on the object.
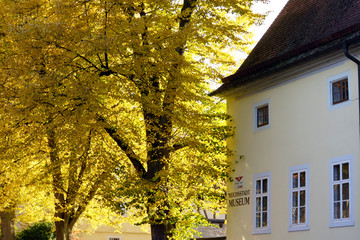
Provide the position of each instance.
(290, 58)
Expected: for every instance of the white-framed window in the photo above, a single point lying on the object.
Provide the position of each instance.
(114, 238)
(262, 115)
(341, 191)
(299, 198)
(262, 203)
(339, 90)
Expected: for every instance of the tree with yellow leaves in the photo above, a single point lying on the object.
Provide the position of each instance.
(17, 172)
(122, 85)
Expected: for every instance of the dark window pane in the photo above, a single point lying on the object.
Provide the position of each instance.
(345, 191)
(336, 172)
(258, 186)
(295, 199)
(258, 204)
(345, 208)
(345, 171)
(264, 185)
(337, 192)
(337, 210)
(294, 215)
(258, 220)
(295, 179)
(336, 92)
(264, 219)
(302, 179)
(302, 198)
(264, 203)
(302, 215)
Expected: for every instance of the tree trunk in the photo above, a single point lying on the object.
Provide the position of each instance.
(7, 225)
(161, 231)
(158, 232)
(63, 230)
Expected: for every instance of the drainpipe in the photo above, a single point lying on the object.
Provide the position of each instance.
(355, 60)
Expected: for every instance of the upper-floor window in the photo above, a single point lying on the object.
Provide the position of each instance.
(261, 217)
(341, 200)
(299, 198)
(339, 90)
(262, 115)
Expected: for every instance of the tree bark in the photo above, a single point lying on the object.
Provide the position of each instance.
(161, 231)
(158, 232)
(63, 230)
(7, 225)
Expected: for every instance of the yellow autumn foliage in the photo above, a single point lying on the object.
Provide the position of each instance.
(110, 98)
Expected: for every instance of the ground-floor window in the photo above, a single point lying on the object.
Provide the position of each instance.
(114, 238)
(261, 215)
(299, 198)
(341, 191)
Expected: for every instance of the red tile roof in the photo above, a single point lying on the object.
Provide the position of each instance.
(303, 28)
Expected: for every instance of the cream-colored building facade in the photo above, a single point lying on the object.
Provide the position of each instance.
(296, 145)
(305, 133)
(128, 232)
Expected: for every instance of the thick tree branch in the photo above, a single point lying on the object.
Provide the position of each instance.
(176, 147)
(158, 121)
(127, 150)
(77, 213)
(185, 17)
(58, 184)
(134, 159)
(170, 91)
(76, 173)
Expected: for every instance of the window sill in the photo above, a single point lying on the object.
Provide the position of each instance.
(339, 105)
(295, 228)
(342, 223)
(257, 129)
(261, 231)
